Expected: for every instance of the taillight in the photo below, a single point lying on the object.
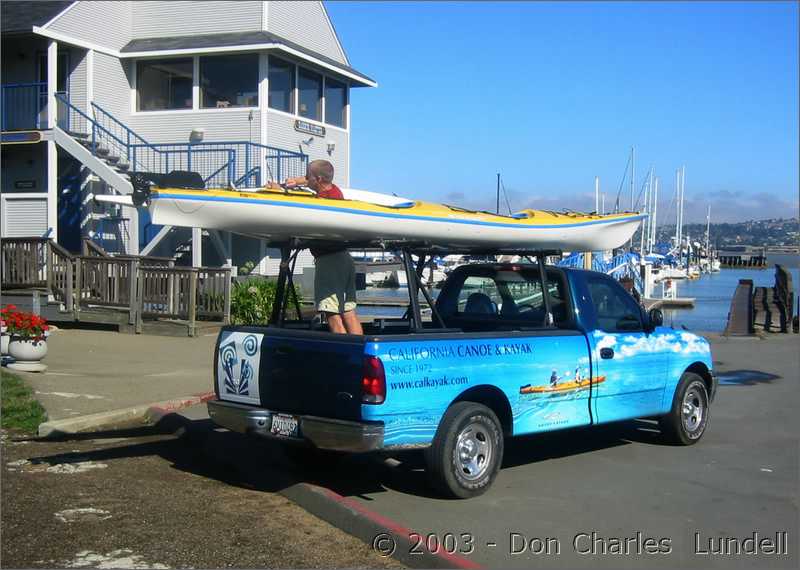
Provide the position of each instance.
(373, 382)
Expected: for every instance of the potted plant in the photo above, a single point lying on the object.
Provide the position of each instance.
(3, 336)
(27, 334)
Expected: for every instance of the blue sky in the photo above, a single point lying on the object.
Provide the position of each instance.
(553, 94)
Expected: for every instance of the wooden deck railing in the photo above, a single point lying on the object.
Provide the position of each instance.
(145, 287)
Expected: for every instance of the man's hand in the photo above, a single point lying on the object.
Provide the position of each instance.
(297, 181)
(272, 185)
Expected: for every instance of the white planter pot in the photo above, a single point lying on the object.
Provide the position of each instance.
(3, 340)
(27, 350)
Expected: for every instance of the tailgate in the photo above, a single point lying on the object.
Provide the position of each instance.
(303, 372)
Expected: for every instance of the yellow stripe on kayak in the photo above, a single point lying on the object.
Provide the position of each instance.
(420, 208)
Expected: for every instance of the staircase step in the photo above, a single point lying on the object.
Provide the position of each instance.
(80, 137)
(123, 166)
(102, 150)
(112, 159)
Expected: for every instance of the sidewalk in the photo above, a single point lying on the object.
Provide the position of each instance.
(91, 372)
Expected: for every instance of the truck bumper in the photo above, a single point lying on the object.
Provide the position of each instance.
(324, 433)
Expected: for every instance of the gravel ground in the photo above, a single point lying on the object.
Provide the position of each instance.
(148, 500)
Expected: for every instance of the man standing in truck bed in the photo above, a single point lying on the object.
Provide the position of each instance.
(335, 272)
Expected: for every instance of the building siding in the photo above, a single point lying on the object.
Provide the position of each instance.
(77, 78)
(112, 85)
(304, 23)
(281, 134)
(227, 125)
(164, 19)
(108, 24)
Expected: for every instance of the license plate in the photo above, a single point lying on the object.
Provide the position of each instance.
(283, 425)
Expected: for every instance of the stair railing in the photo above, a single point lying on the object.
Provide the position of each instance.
(222, 164)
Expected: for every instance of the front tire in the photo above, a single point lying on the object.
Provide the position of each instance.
(688, 417)
(466, 452)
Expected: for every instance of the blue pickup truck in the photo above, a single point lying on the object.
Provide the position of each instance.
(510, 349)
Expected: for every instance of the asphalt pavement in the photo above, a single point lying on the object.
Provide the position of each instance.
(611, 496)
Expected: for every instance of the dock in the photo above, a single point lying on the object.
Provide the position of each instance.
(674, 303)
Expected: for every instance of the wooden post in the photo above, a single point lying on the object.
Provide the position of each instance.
(48, 266)
(133, 300)
(78, 287)
(68, 291)
(139, 300)
(226, 309)
(192, 300)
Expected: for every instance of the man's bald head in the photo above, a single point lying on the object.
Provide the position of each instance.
(322, 170)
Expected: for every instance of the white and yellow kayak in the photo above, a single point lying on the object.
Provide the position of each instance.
(362, 216)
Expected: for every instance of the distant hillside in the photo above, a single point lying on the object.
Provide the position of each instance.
(753, 232)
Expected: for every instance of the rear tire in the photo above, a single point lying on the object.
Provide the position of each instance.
(688, 417)
(466, 452)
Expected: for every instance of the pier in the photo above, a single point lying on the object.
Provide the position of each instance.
(743, 256)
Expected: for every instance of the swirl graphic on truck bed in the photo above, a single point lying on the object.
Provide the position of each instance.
(234, 383)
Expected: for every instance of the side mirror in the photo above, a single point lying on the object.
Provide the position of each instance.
(656, 318)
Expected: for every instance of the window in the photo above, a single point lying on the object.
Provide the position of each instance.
(281, 85)
(310, 95)
(164, 84)
(507, 297)
(229, 81)
(616, 310)
(478, 296)
(335, 102)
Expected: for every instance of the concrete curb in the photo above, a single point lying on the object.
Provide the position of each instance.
(385, 536)
(100, 420)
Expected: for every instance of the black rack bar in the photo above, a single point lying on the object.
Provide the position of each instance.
(548, 314)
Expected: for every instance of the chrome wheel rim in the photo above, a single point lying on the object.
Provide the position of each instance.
(474, 451)
(693, 409)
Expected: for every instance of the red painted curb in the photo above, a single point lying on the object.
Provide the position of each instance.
(453, 560)
(161, 409)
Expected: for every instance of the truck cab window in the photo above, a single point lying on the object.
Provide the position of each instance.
(616, 310)
(502, 297)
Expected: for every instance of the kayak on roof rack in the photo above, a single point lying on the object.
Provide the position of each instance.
(279, 214)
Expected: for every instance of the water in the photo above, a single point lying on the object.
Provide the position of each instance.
(713, 293)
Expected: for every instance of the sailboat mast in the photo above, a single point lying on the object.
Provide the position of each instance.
(597, 194)
(633, 173)
(655, 212)
(498, 193)
(646, 224)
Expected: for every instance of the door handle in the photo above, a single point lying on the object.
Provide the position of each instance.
(607, 353)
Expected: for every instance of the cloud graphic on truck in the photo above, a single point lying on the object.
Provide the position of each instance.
(685, 344)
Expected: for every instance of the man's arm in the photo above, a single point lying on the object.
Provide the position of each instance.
(296, 181)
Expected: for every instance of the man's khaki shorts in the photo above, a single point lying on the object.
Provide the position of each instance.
(335, 283)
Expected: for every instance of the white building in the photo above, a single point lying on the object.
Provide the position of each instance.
(238, 91)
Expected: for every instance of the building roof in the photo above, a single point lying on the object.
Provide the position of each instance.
(17, 16)
(201, 42)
